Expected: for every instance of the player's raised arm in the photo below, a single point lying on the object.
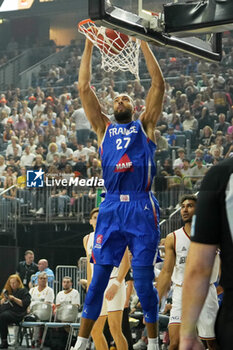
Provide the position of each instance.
(89, 100)
(154, 99)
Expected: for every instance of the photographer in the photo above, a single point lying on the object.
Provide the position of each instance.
(13, 306)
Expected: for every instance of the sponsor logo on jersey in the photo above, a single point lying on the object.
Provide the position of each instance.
(124, 164)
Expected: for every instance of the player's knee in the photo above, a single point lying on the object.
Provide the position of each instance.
(148, 296)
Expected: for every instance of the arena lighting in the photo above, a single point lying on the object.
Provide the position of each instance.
(14, 5)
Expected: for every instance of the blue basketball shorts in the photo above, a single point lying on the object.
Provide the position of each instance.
(131, 220)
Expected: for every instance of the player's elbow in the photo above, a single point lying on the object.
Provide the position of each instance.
(83, 87)
(158, 84)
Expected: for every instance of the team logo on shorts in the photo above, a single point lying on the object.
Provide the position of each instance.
(99, 239)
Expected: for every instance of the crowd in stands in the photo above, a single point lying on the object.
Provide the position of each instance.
(46, 128)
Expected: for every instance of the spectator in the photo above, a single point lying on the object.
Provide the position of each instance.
(207, 138)
(43, 267)
(27, 268)
(190, 125)
(81, 152)
(42, 292)
(162, 146)
(218, 145)
(2, 166)
(21, 124)
(222, 125)
(68, 295)
(171, 136)
(82, 126)
(13, 305)
(52, 149)
(27, 157)
(198, 171)
(60, 196)
(4, 106)
(178, 162)
(38, 109)
(95, 169)
(14, 143)
(176, 124)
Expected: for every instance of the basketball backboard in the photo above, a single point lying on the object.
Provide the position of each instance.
(193, 27)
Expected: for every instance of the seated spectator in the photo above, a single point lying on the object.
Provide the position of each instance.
(43, 267)
(68, 295)
(80, 167)
(218, 145)
(198, 154)
(2, 166)
(41, 292)
(9, 197)
(204, 118)
(162, 124)
(60, 199)
(162, 149)
(15, 300)
(60, 138)
(11, 145)
(178, 162)
(207, 138)
(171, 136)
(21, 124)
(22, 178)
(8, 132)
(27, 268)
(186, 170)
(176, 124)
(52, 149)
(222, 125)
(198, 171)
(81, 151)
(68, 152)
(95, 169)
(27, 157)
(190, 125)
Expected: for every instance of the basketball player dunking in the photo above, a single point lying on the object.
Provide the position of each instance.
(176, 250)
(129, 215)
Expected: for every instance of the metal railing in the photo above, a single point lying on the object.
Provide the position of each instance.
(8, 213)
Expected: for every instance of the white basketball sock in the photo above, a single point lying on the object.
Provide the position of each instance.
(153, 344)
(80, 344)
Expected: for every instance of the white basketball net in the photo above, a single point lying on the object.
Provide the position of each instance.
(127, 57)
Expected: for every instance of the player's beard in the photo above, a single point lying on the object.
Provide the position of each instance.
(186, 221)
(123, 116)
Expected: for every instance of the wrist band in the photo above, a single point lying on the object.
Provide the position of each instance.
(117, 283)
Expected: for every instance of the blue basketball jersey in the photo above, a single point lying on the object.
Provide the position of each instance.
(127, 156)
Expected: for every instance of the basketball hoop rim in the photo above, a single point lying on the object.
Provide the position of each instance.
(85, 21)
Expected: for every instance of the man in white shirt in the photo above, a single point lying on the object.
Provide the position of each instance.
(27, 157)
(81, 151)
(38, 108)
(42, 292)
(65, 151)
(82, 125)
(68, 295)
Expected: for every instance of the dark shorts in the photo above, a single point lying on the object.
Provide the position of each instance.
(224, 322)
(127, 220)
